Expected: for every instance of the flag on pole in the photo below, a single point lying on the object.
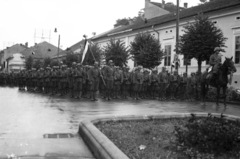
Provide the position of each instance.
(85, 50)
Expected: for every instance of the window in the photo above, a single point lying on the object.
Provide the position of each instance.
(185, 62)
(166, 31)
(215, 22)
(237, 49)
(238, 18)
(167, 58)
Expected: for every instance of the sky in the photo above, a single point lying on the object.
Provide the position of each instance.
(34, 21)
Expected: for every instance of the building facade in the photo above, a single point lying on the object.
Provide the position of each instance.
(225, 15)
(9, 52)
(15, 63)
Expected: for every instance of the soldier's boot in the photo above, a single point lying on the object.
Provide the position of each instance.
(80, 95)
(92, 95)
(95, 96)
(117, 94)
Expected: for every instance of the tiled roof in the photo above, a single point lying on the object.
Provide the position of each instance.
(42, 50)
(169, 7)
(189, 12)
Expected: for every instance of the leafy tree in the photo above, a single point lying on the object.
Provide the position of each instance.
(146, 50)
(37, 64)
(116, 51)
(126, 21)
(29, 62)
(94, 50)
(203, 1)
(70, 58)
(200, 38)
(123, 21)
(46, 61)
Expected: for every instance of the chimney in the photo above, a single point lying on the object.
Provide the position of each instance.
(163, 4)
(185, 5)
(26, 44)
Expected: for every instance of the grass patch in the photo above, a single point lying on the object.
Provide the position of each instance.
(156, 139)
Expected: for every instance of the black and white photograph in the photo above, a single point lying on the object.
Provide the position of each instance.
(120, 79)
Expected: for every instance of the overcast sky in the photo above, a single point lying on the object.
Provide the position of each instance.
(72, 18)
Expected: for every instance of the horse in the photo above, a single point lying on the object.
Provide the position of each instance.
(221, 81)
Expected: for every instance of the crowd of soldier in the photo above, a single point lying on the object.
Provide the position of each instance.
(112, 82)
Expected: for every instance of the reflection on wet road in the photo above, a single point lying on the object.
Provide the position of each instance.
(30, 115)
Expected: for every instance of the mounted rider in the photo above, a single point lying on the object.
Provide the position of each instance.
(215, 61)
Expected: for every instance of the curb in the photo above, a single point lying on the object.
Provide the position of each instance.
(103, 148)
(228, 102)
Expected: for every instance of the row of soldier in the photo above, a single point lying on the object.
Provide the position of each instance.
(112, 82)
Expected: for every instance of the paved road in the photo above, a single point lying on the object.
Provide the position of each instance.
(25, 117)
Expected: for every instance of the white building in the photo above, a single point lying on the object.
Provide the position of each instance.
(15, 63)
(224, 13)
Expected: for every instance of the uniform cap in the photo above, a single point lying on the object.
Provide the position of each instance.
(217, 49)
(79, 64)
(110, 61)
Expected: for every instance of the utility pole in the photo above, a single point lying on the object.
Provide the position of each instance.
(177, 30)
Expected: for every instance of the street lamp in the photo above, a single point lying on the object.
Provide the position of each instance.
(55, 30)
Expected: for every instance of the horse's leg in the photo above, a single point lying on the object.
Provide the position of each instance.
(224, 95)
(218, 92)
(203, 93)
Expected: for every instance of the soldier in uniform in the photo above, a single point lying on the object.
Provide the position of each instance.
(78, 81)
(47, 79)
(193, 86)
(126, 82)
(102, 85)
(215, 61)
(153, 81)
(117, 82)
(108, 74)
(163, 83)
(137, 81)
(183, 86)
(33, 79)
(173, 84)
(71, 79)
(54, 79)
(94, 78)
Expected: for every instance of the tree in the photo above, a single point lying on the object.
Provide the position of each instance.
(200, 38)
(146, 50)
(203, 1)
(70, 58)
(94, 50)
(123, 21)
(116, 51)
(127, 21)
(37, 64)
(46, 61)
(29, 62)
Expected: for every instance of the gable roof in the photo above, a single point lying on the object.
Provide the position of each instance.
(42, 50)
(189, 12)
(73, 48)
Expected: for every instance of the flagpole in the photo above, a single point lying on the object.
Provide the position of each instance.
(99, 70)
